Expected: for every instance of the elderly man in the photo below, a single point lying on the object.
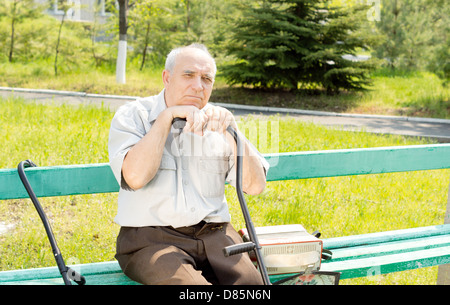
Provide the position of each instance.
(172, 209)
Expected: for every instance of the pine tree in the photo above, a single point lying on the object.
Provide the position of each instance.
(16, 12)
(297, 44)
(415, 34)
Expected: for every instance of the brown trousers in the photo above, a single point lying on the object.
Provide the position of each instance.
(184, 256)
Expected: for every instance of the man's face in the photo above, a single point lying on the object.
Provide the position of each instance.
(191, 81)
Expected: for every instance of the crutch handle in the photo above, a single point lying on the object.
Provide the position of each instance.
(179, 123)
(75, 276)
(238, 248)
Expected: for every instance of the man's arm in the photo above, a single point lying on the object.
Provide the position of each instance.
(254, 176)
(253, 173)
(142, 161)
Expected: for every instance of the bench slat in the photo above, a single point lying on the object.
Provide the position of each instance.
(59, 181)
(391, 248)
(103, 273)
(389, 263)
(98, 178)
(344, 162)
(52, 281)
(387, 236)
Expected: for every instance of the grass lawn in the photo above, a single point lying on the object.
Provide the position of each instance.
(84, 226)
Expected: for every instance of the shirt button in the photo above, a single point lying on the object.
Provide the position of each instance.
(186, 182)
(192, 209)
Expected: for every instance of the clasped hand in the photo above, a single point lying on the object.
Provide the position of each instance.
(215, 118)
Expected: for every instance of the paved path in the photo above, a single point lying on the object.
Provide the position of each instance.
(421, 127)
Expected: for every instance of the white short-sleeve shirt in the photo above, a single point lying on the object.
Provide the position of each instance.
(189, 185)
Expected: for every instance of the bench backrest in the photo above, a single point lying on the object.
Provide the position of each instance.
(98, 178)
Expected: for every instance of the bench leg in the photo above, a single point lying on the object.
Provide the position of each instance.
(444, 270)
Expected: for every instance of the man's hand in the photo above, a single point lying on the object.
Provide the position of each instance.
(215, 118)
(219, 119)
(195, 119)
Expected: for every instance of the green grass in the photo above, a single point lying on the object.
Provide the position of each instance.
(392, 93)
(86, 232)
(407, 93)
(85, 79)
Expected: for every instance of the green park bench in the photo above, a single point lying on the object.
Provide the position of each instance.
(353, 256)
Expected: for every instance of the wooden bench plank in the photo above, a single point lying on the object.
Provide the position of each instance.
(85, 179)
(52, 281)
(390, 251)
(332, 163)
(103, 273)
(389, 248)
(59, 181)
(389, 263)
(387, 236)
(24, 275)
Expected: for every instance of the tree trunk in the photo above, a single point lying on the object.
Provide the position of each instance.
(144, 52)
(122, 52)
(188, 15)
(13, 21)
(57, 42)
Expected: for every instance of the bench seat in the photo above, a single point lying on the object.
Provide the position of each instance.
(386, 252)
(353, 256)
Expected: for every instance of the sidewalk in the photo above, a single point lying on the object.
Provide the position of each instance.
(438, 129)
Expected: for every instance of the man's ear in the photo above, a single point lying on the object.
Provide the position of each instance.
(166, 77)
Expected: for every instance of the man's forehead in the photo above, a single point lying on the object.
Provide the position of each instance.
(195, 65)
(195, 62)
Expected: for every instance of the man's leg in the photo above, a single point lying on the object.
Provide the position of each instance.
(233, 270)
(155, 255)
(188, 255)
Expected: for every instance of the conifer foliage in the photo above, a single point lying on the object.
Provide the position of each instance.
(295, 44)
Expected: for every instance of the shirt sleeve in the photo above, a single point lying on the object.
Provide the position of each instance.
(127, 128)
(231, 176)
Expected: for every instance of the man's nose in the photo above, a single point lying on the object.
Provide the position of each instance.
(197, 84)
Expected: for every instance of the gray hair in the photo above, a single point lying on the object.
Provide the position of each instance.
(172, 56)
